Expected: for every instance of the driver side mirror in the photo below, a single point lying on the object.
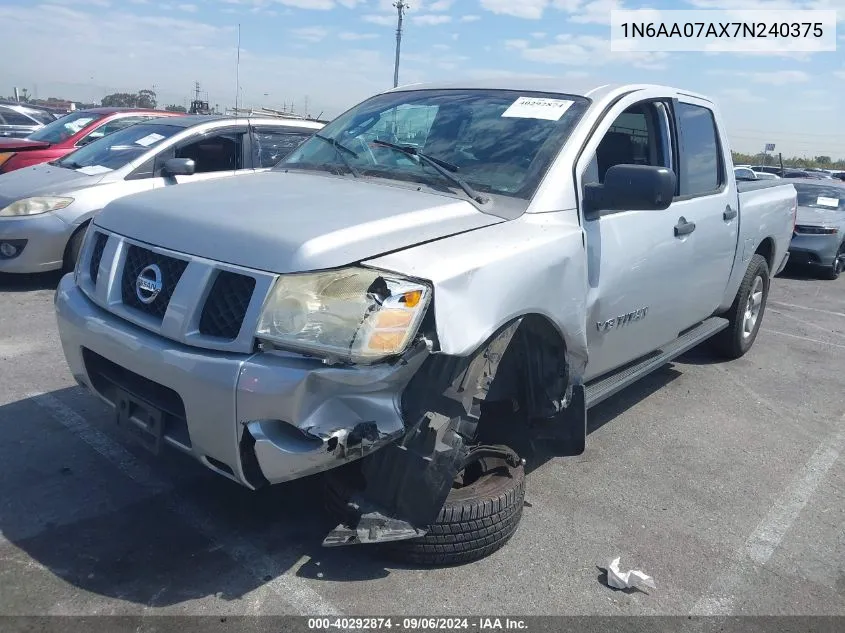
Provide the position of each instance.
(179, 167)
(630, 188)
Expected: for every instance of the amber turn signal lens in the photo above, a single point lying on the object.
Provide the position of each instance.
(412, 299)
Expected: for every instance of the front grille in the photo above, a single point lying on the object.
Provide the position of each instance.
(100, 240)
(137, 259)
(225, 309)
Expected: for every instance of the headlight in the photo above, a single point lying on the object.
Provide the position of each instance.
(36, 205)
(353, 314)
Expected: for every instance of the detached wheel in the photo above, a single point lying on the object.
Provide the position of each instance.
(832, 272)
(480, 515)
(746, 313)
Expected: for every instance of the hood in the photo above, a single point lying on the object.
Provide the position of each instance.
(43, 179)
(289, 222)
(814, 216)
(21, 144)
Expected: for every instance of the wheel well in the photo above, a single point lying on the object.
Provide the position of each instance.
(533, 371)
(767, 250)
(523, 366)
(77, 231)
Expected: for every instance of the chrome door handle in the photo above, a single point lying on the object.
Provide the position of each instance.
(683, 227)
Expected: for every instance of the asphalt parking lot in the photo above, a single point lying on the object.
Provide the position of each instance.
(724, 481)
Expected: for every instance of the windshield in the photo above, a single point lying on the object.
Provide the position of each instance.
(119, 148)
(499, 141)
(62, 129)
(820, 196)
(41, 116)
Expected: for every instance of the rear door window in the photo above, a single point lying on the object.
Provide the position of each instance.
(270, 145)
(700, 171)
(216, 152)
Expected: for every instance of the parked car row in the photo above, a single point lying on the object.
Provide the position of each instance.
(70, 132)
(789, 172)
(100, 156)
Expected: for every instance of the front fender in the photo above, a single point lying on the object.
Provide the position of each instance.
(486, 278)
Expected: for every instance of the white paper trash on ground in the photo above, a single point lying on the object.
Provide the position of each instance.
(633, 578)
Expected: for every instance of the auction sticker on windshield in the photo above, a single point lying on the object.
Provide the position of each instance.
(822, 201)
(534, 108)
(149, 139)
(93, 170)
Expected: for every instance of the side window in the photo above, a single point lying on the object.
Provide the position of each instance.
(16, 118)
(700, 170)
(221, 152)
(271, 146)
(638, 136)
(111, 126)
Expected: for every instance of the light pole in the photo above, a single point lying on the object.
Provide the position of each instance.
(401, 6)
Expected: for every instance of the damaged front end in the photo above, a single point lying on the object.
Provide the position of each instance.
(396, 493)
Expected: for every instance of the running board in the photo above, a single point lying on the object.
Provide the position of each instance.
(614, 383)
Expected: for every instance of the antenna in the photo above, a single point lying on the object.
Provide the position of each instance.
(238, 72)
(401, 6)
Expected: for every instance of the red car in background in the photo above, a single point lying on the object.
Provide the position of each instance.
(68, 133)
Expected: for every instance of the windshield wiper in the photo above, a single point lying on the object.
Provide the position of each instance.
(341, 150)
(67, 164)
(444, 168)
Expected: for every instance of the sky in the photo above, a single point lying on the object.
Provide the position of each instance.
(327, 55)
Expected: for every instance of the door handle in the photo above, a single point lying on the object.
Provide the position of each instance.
(683, 227)
(729, 214)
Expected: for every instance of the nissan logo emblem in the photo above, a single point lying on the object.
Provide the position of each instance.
(148, 285)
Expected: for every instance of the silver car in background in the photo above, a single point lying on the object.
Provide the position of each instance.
(19, 121)
(45, 209)
(819, 236)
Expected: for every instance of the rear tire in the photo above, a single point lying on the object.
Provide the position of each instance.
(475, 521)
(74, 247)
(746, 313)
(832, 272)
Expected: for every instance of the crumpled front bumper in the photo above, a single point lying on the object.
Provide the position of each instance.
(256, 419)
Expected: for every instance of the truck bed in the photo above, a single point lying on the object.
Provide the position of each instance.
(752, 185)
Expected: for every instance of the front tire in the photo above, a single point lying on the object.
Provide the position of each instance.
(74, 247)
(476, 520)
(746, 313)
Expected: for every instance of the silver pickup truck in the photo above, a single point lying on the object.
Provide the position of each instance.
(426, 294)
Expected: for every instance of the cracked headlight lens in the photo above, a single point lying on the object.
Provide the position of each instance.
(355, 314)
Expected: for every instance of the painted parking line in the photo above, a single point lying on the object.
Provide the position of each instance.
(802, 338)
(806, 323)
(797, 307)
(767, 536)
(294, 591)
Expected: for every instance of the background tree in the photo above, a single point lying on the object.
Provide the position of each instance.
(175, 108)
(146, 99)
(120, 100)
(823, 160)
(141, 99)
